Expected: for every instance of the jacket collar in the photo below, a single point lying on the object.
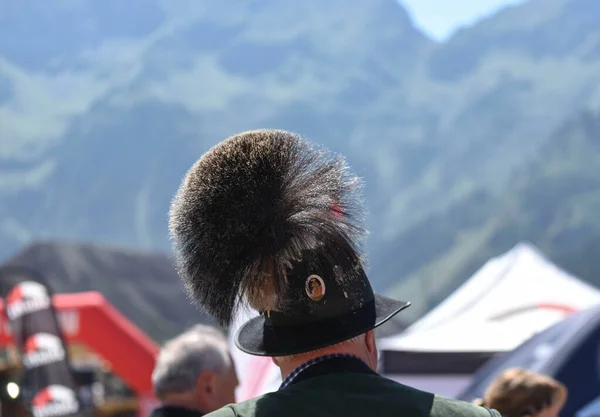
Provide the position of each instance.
(175, 411)
(328, 364)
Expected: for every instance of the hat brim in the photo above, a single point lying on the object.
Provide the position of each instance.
(255, 338)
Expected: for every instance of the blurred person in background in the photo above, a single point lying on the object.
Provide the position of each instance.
(194, 374)
(521, 393)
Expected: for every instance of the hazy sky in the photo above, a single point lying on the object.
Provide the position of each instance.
(439, 18)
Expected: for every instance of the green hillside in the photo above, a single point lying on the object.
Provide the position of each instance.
(462, 144)
(552, 202)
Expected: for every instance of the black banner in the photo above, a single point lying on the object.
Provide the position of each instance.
(48, 383)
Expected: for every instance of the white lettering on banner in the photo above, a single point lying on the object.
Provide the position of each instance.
(43, 358)
(20, 308)
(25, 298)
(67, 319)
(42, 349)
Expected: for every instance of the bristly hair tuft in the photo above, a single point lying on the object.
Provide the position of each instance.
(249, 207)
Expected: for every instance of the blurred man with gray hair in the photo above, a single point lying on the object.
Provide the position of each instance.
(194, 374)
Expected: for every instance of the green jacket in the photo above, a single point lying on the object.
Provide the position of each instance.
(351, 394)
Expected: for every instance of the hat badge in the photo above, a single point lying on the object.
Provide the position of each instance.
(315, 288)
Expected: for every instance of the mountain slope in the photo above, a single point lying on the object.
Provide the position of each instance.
(144, 287)
(101, 114)
(552, 202)
(109, 124)
(492, 95)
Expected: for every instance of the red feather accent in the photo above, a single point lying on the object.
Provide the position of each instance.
(336, 210)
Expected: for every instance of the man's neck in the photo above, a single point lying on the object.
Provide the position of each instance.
(287, 367)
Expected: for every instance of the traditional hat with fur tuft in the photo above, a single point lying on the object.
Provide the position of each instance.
(268, 219)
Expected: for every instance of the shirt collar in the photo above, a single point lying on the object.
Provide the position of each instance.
(291, 377)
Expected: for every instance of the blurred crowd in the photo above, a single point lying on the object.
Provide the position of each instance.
(195, 375)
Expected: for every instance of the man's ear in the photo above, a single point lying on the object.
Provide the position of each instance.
(370, 341)
(205, 383)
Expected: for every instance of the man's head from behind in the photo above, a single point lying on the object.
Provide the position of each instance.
(195, 370)
(267, 219)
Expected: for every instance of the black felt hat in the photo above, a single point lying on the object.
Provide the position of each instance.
(320, 309)
(269, 219)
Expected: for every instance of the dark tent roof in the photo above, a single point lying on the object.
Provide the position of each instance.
(142, 286)
(568, 351)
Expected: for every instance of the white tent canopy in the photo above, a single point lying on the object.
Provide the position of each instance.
(508, 300)
(511, 298)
